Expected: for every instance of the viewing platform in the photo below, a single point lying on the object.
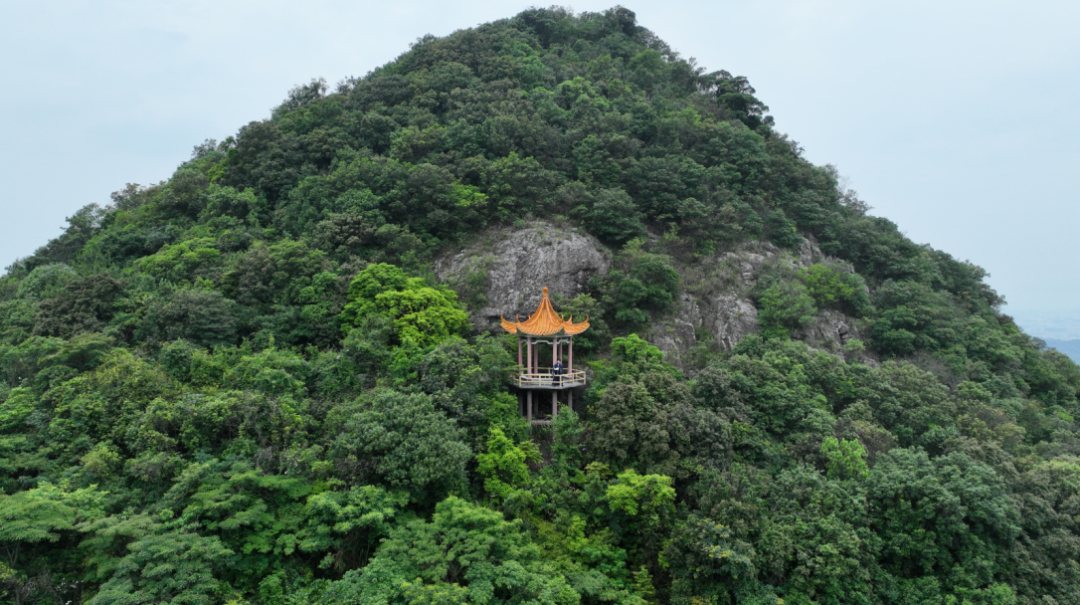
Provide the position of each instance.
(544, 380)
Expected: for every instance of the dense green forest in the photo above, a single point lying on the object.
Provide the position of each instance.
(245, 385)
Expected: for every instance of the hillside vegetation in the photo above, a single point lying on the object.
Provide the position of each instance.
(244, 385)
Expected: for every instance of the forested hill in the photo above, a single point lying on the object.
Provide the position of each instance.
(245, 385)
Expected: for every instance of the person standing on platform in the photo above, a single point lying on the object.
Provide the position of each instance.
(556, 372)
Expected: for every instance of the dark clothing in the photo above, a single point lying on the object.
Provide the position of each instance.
(556, 371)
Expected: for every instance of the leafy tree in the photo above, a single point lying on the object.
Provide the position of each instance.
(736, 96)
(348, 525)
(403, 441)
(167, 562)
(912, 403)
(615, 217)
(420, 313)
(465, 553)
(16, 320)
(831, 287)
(785, 306)
(46, 281)
(706, 559)
(517, 186)
(204, 317)
(630, 429)
(915, 317)
(1042, 562)
(784, 232)
(41, 514)
(84, 305)
(273, 273)
(504, 466)
(17, 406)
(468, 382)
(645, 284)
(844, 459)
(180, 261)
(646, 504)
(947, 516)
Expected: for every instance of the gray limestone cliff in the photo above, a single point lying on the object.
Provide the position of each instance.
(503, 272)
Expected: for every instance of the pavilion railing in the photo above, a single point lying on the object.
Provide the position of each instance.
(544, 378)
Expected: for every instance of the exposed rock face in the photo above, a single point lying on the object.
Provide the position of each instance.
(716, 302)
(830, 330)
(732, 318)
(509, 269)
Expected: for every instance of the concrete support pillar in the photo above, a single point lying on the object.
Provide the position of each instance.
(554, 405)
(528, 405)
(570, 399)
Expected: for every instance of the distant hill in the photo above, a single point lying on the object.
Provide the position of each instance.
(1068, 347)
(249, 384)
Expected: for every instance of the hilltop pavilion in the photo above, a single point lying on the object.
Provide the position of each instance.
(545, 326)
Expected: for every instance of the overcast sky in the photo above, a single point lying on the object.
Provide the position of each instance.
(956, 119)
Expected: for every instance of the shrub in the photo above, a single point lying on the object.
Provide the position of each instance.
(832, 287)
(784, 307)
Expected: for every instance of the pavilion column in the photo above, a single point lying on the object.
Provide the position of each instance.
(570, 399)
(571, 354)
(528, 405)
(528, 346)
(519, 352)
(554, 405)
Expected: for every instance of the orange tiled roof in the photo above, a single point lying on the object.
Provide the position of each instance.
(545, 322)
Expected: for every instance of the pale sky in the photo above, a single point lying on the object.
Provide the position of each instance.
(956, 119)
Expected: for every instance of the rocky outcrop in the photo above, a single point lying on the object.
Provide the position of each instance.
(726, 319)
(504, 271)
(830, 330)
(716, 306)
